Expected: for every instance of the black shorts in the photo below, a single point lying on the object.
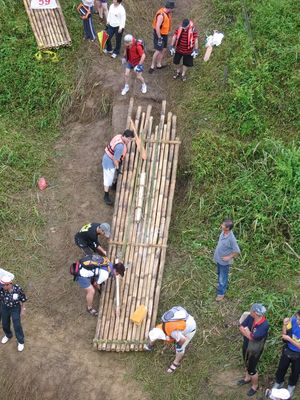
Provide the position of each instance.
(164, 41)
(251, 361)
(88, 250)
(187, 61)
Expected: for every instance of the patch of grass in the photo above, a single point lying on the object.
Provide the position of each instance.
(240, 159)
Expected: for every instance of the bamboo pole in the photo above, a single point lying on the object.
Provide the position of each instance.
(33, 22)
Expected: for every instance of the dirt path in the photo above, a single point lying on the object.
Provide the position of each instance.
(59, 362)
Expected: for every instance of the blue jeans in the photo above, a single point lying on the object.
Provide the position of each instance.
(13, 313)
(223, 273)
(111, 31)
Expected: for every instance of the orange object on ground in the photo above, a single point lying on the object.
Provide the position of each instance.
(42, 183)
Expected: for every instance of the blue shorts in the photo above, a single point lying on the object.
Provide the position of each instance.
(130, 66)
(84, 283)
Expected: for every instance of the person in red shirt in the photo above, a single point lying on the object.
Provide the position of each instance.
(184, 46)
(134, 57)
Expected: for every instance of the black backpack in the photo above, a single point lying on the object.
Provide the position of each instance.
(90, 262)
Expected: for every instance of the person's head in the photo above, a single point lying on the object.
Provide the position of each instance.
(6, 282)
(227, 225)
(119, 268)
(127, 136)
(298, 317)
(185, 23)
(117, 2)
(169, 6)
(257, 310)
(128, 40)
(104, 229)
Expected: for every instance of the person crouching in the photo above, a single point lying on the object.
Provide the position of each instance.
(134, 57)
(177, 326)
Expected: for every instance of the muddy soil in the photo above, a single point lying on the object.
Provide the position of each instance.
(59, 361)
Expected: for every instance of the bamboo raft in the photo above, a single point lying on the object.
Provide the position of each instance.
(140, 226)
(48, 26)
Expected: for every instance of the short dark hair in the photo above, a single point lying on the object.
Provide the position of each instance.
(298, 313)
(128, 133)
(119, 268)
(119, 1)
(228, 223)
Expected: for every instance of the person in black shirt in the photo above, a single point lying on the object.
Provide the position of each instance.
(87, 239)
(12, 300)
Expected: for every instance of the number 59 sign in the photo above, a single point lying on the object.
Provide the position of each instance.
(42, 4)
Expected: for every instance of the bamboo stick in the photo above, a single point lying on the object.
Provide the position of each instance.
(33, 23)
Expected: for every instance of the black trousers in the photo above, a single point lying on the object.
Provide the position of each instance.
(288, 357)
(111, 32)
(14, 314)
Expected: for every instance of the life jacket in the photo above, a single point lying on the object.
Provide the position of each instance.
(166, 24)
(173, 320)
(190, 30)
(110, 148)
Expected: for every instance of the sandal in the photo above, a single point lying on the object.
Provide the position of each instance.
(92, 311)
(251, 392)
(242, 382)
(172, 368)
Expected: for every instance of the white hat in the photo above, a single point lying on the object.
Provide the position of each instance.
(280, 394)
(128, 38)
(7, 279)
(156, 334)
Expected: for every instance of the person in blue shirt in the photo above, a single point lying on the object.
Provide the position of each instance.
(254, 329)
(290, 354)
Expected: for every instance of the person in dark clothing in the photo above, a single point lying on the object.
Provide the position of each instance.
(12, 298)
(254, 329)
(290, 354)
(87, 239)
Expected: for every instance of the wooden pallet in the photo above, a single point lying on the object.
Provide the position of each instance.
(140, 226)
(49, 27)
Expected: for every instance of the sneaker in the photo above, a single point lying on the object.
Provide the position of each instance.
(21, 346)
(220, 297)
(151, 70)
(114, 55)
(4, 340)
(107, 200)
(278, 385)
(183, 78)
(125, 90)
(144, 88)
(107, 52)
(176, 75)
(291, 390)
(148, 347)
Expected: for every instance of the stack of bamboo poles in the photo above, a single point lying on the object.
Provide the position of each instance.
(49, 26)
(140, 228)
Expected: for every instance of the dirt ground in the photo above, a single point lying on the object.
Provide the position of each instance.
(59, 361)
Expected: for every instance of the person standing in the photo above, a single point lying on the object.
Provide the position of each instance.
(254, 329)
(134, 57)
(184, 46)
(290, 355)
(12, 298)
(227, 249)
(87, 239)
(102, 9)
(94, 270)
(88, 26)
(115, 153)
(162, 24)
(116, 20)
(178, 327)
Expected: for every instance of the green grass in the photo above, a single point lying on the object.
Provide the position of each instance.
(241, 159)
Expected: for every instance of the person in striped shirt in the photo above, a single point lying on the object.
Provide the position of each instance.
(184, 46)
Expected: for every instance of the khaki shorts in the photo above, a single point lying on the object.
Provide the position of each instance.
(108, 176)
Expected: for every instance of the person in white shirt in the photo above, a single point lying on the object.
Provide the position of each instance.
(88, 26)
(177, 326)
(116, 20)
(94, 270)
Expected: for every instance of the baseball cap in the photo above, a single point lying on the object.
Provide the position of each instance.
(7, 279)
(185, 23)
(128, 38)
(170, 5)
(258, 308)
(105, 227)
